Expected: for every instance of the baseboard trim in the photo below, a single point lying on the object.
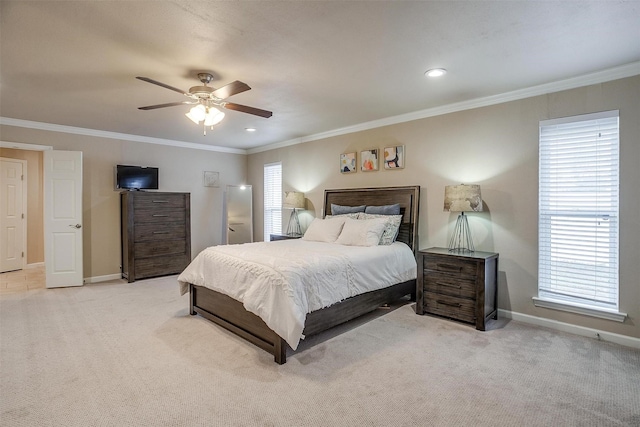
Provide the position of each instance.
(35, 265)
(573, 329)
(105, 278)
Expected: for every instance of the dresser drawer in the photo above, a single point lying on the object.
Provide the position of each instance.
(458, 267)
(157, 248)
(452, 307)
(160, 266)
(445, 284)
(148, 232)
(159, 215)
(158, 201)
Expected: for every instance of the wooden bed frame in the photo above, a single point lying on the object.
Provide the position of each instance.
(231, 315)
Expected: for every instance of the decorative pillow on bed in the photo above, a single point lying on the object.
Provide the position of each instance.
(352, 215)
(340, 210)
(324, 230)
(383, 210)
(391, 228)
(357, 232)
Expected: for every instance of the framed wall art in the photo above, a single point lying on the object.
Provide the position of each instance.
(348, 162)
(211, 179)
(394, 157)
(369, 160)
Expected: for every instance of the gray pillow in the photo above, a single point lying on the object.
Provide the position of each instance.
(384, 210)
(341, 210)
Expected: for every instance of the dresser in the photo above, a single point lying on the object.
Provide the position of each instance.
(156, 233)
(459, 286)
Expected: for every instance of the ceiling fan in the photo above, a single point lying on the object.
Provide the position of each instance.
(206, 99)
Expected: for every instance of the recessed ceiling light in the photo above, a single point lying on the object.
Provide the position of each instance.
(435, 72)
(250, 129)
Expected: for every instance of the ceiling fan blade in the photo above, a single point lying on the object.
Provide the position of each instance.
(170, 104)
(231, 89)
(166, 86)
(250, 110)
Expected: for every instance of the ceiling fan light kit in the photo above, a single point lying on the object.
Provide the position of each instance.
(207, 99)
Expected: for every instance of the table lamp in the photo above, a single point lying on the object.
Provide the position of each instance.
(293, 200)
(462, 198)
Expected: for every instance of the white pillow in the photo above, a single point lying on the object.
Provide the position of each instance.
(391, 229)
(324, 230)
(361, 232)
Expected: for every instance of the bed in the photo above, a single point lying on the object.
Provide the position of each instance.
(231, 314)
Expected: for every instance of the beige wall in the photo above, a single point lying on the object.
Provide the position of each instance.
(35, 237)
(496, 147)
(181, 170)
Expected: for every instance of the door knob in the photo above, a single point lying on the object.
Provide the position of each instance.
(76, 226)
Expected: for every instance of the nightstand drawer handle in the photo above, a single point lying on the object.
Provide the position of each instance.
(449, 267)
(159, 215)
(160, 201)
(451, 304)
(448, 285)
(160, 232)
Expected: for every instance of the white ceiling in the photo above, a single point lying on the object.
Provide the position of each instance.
(319, 66)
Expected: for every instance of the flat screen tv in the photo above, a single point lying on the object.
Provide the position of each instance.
(136, 178)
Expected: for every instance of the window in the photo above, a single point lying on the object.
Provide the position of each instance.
(578, 213)
(272, 199)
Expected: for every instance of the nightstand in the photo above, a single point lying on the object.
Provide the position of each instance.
(273, 237)
(459, 286)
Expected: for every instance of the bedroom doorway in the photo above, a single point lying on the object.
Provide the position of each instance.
(35, 206)
(13, 198)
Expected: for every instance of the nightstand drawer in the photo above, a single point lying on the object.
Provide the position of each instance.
(448, 285)
(274, 237)
(448, 306)
(458, 267)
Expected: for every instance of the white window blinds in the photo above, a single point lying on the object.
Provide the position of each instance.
(578, 210)
(272, 199)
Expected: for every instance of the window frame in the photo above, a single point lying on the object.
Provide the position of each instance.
(272, 201)
(564, 203)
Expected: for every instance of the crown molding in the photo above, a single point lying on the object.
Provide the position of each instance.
(7, 121)
(621, 72)
(22, 146)
(616, 73)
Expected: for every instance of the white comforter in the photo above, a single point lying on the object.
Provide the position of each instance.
(284, 280)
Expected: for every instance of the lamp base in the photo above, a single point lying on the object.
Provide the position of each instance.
(461, 239)
(293, 229)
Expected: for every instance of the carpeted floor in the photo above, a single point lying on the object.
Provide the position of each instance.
(119, 354)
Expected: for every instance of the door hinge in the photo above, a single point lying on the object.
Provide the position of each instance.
(22, 254)
(21, 177)
(22, 216)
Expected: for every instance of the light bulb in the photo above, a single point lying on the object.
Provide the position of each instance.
(197, 114)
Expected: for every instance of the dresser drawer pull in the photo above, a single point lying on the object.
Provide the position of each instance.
(160, 232)
(159, 215)
(451, 304)
(448, 285)
(449, 267)
(160, 201)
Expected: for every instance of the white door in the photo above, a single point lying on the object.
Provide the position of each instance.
(63, 218)
(12, 231)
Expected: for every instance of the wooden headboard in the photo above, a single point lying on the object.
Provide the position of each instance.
(407, 197)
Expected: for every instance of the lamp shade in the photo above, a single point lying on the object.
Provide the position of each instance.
(462, 198)
(293, 200)
(213, 116)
